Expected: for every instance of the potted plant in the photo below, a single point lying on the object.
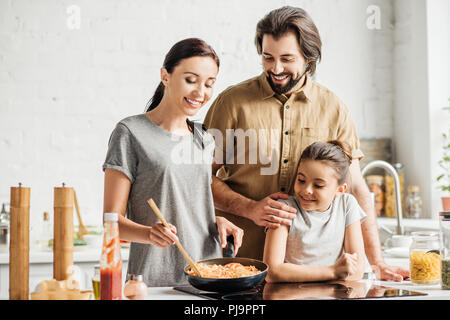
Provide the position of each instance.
(444, 163)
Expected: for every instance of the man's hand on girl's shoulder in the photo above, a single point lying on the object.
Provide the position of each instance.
(271, 213)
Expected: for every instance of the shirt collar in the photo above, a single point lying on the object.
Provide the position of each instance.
(265, 86)
(303, 93)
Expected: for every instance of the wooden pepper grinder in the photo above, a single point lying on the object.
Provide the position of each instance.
(63, 233)
(19, 245)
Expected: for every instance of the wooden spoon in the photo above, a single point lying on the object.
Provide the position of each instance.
(186, 256)
(82, 230)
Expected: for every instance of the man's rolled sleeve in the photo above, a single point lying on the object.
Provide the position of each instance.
(347, 133)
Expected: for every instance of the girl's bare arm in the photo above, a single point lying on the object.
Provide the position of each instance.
(279, 271)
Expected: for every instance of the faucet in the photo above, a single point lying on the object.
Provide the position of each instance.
(398, 199)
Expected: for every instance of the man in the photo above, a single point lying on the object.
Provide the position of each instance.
(286, 111)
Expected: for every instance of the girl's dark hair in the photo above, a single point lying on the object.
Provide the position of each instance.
(335, 153)
(279, 21)
(187, 48)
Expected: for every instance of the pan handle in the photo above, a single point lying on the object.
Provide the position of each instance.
(228, 251)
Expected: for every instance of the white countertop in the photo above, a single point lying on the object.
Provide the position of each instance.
(80, 254)
(425, 224)
(433, 292)
(89, 254)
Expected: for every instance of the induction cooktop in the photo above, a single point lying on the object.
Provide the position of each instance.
(316, 290)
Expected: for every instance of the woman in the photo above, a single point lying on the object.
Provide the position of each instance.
(156, 155)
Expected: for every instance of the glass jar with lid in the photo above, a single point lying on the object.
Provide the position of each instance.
(390, 206)
(413, 202)
(135, 287)
(444, 221)
(376, 186)
(425, 258)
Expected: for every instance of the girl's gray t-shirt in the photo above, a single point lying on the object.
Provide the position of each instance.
(317, 238)
(176, 172)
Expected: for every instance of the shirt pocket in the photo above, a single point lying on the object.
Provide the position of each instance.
(310, 135)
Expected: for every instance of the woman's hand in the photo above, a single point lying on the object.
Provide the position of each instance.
(162, 237)
(226, 228)
(346, 266)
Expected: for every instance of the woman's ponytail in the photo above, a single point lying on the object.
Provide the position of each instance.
(156, 99)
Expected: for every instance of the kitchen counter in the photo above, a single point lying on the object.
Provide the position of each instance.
(433, 292)
(408, 223)
(41, 266)
(83, 254)
(91, 255)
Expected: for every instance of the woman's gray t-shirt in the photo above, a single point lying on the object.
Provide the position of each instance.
(176, 172)
(317, 238)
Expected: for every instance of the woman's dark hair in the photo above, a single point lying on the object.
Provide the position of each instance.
(279, 21)
(187, 48)
(335, 153)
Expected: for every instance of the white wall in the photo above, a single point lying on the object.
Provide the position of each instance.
(411, 129)
(357, 62)
(62, 90)
(422, 89)
(438, 29)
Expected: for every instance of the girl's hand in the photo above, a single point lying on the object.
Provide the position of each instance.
(226, 228)
(161, 236)
(346, 266)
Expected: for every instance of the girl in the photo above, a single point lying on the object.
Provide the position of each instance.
(324, 241)
(155, 155)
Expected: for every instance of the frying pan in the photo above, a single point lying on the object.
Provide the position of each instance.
(232, 284)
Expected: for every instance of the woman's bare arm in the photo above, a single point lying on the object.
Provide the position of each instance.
(117, 191)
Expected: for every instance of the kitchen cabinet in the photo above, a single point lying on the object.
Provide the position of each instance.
(41, 268)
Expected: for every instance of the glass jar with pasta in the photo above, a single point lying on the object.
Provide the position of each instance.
(444, 222)
(376, 186)
(425, 258)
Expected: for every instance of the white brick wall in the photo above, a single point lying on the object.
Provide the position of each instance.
(422, 79)
(62, 91)
(438, 25)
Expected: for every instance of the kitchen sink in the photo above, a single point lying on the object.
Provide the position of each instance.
(387, 226)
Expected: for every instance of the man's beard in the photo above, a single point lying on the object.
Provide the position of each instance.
(282, 89)
(279, 88)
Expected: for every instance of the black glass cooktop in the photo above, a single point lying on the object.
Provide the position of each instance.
(293, 291)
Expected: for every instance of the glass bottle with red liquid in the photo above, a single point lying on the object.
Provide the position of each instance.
(111, 261)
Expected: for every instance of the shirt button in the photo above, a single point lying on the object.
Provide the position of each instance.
(286, 132)
(283, 189)
(285, 160)
(287, 107)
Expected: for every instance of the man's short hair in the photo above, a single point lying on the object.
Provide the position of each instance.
(280, 21)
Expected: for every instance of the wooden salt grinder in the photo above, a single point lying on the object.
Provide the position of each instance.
(19, 243)
(63, 233)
